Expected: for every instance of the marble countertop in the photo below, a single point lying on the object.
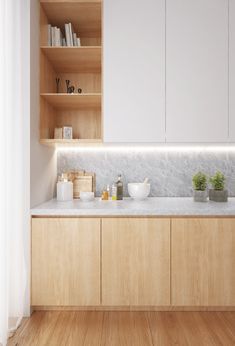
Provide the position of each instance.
(159, 206)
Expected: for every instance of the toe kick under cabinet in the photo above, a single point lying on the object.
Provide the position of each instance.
(133, 262)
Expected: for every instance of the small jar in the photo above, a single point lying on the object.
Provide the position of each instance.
(105, 194)
(64, 191)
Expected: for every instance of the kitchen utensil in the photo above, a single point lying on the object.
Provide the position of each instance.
(138, 191)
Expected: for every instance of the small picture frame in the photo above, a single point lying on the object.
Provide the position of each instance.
(67, 132)
(58, 133)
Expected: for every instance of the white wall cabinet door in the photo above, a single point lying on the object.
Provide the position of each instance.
(134, 71)
(232, 70)
(197, 71)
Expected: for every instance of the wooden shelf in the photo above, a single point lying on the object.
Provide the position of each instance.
(74, 59)
(81, 65)
(84, 15)
(69, 142)
(73, 101)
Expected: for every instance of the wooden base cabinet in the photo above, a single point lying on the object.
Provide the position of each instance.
(65, 262)
(203, 262)
(135, 262)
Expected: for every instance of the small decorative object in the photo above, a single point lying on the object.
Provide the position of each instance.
(87, 196)
(218, 193)
(70, 89)
(79, 90)
(200, 187)
(58, 133)
(57, 85)
(67, 81)
(67, 132)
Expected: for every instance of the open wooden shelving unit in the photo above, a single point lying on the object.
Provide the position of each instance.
(82, 65)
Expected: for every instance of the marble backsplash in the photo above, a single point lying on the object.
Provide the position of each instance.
(170, 172)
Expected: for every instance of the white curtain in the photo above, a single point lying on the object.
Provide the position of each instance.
(14, 162)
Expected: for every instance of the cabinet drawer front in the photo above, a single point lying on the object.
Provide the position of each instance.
(135, 261)
(65, 261)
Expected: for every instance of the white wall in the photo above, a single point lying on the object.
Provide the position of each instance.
(43, 159)
(41, 176)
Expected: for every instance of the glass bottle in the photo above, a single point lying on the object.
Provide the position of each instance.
(119, 184)
(114, 191)
(105, 194)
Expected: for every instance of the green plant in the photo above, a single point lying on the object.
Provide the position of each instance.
(218, 181)
(200, 181)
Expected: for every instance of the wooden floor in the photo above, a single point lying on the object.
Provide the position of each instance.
(127, 329)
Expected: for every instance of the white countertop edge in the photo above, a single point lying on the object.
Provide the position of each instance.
(153, 206)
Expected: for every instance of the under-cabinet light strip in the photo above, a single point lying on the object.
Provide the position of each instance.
(149, 148)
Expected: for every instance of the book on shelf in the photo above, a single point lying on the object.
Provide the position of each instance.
(71, 32)
(67, 35)
(75, 43)
(57, 39)
(49, 35)
(53, 36)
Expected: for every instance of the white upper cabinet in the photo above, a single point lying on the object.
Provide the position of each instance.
(197, 71)
(232, 70)
(134, 71)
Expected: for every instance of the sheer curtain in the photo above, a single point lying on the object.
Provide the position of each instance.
(14, 162)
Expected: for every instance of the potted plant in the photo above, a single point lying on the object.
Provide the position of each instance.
(200, 187)
(218, 193)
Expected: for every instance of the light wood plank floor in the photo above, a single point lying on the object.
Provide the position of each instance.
(126, 329)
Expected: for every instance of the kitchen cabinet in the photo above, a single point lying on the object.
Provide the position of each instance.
(65, 262)
(203, 262)
(197, 71)
(135, 261)
(134, 71)
(232, 70)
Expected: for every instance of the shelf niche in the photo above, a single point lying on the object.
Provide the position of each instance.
(81, 65)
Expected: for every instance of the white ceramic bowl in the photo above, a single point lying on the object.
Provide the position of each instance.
(87, 196)
(138, 191)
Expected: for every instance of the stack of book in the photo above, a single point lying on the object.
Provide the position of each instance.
(57, 39)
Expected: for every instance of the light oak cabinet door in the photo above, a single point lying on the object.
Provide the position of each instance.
(65, 261)
(203, 262)
(135, 261)
(197, 70)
